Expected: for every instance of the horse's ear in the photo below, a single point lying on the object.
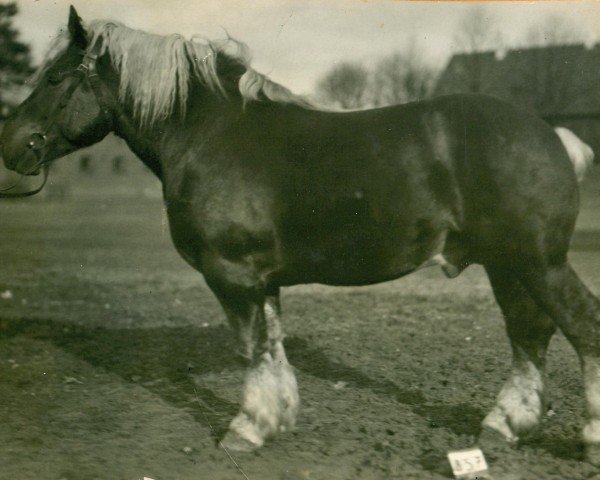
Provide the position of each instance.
(78, 33)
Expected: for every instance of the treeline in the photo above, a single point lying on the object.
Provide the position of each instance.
(397, 78)
(15, 56)
(406, 76)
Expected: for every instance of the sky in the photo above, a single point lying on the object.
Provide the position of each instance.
(296, 41)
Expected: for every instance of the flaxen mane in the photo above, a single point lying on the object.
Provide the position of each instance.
(156, 71)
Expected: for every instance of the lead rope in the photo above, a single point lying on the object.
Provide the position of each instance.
(39, 163)
(46, 170)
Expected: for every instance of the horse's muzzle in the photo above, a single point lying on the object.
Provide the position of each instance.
(25, 163)
(17, 151)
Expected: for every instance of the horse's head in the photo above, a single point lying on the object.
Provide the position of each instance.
(65, 111)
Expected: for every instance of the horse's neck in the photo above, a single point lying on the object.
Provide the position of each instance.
(141, 146)
(164, 145)
(154, 146)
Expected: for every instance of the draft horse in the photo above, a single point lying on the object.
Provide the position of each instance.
(265, 190)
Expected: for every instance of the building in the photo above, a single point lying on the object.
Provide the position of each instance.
(559, 83)
(106, 169)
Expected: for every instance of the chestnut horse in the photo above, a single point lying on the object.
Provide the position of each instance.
(264, 190)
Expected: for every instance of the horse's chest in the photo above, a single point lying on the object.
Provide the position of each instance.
(232, 229)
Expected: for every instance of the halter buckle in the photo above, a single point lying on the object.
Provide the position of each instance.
(83, 68)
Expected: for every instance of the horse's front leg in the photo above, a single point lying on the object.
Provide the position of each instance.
(270, 399)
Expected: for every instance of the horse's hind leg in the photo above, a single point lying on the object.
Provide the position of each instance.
(576, 311)
(520, 403)
(270, 396)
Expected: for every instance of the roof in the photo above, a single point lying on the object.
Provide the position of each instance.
(554, 80)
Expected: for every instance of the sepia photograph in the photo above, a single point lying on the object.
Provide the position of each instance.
(299, 240)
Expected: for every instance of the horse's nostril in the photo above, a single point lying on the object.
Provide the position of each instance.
(37, 141)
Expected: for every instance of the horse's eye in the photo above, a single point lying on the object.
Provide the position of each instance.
(55, 78)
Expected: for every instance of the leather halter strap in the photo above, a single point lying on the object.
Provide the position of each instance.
(106, 103)
(37, 142)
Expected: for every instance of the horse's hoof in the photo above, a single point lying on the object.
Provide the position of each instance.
(235, 442)
(592, 453)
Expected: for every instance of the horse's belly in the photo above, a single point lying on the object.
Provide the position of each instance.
(329, 275)
(360, 258)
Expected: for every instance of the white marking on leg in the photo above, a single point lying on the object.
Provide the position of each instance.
(258, 418)
(591, 432)
(270, 399)
(273, 323)
(260, 401)
(591, 381)
(289, 400)
(519, 404)
(288, 388)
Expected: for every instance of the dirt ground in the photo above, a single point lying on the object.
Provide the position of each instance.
(115, 363)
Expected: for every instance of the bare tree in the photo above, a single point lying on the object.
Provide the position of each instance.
(15, 59)
(477, 32)
(344, 86)
(402, 77)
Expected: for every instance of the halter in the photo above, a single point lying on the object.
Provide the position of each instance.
(86, 70)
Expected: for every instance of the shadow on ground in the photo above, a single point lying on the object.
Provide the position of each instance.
(148, 356)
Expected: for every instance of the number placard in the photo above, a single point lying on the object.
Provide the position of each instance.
(468, 463)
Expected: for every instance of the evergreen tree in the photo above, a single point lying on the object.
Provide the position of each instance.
(15, 56)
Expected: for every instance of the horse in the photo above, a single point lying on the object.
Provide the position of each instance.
(264, 189)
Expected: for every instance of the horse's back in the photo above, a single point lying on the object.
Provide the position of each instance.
(493, 178)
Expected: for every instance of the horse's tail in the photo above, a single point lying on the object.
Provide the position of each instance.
(580, 153)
